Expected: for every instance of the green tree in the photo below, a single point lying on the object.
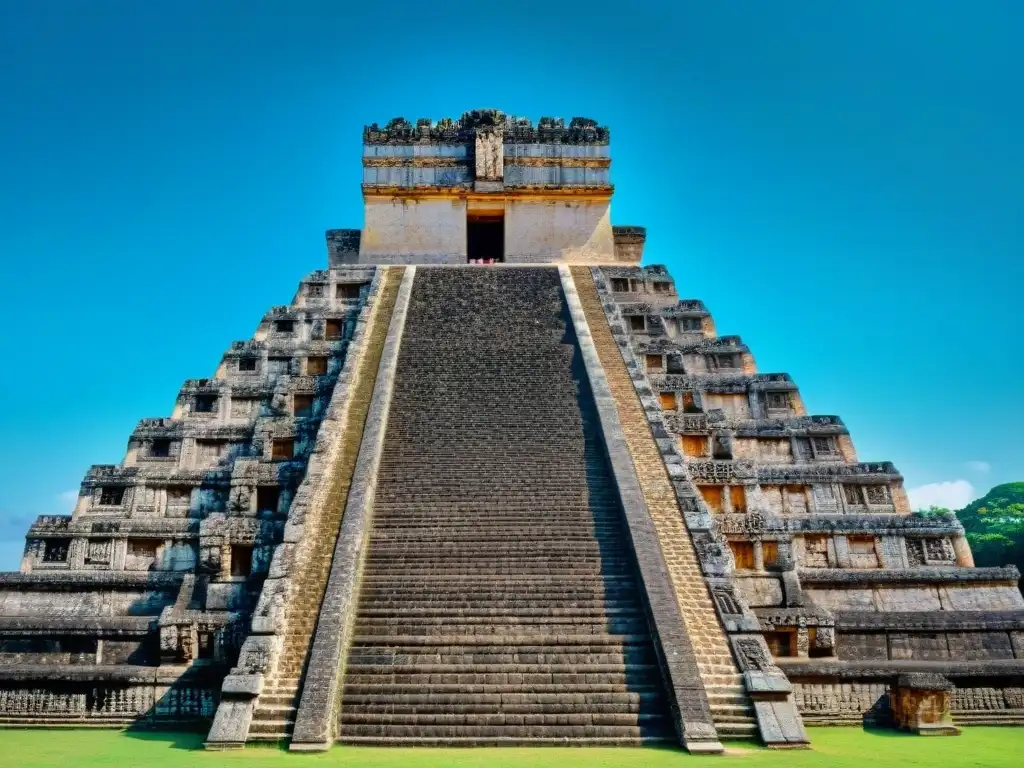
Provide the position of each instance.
(995, 526)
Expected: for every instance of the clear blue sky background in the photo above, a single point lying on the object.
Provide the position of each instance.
(841, 183)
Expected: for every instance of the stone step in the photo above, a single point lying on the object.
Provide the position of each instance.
(478, 719)
(989, 717)
(424, 626)
(738, 699)
(510, 741)
(268, 699)
(496, 562)
(426, 689)
(656, 706)
(498, 601)
(470, 586)
(544, 642)
(496, 699)
(271, 727)
(539, 567)
(568, 682)
(508, 657)
(577, 516)
(444, 547)
(737, 732)
(265, 715)
(490, 612)
(278, 710)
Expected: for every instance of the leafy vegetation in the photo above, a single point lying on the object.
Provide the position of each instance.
(994, 525)
(832, 748)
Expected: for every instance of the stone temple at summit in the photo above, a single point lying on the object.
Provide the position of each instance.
(488, 479)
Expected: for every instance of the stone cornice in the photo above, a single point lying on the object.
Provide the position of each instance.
(581, 192)
(854, 670)
(881, 524)
(930, 621)
(838, 577)
(774, 474)
(69, 580)
(418, 161)
(44, 527)
(124, 626)
(670, 382)
(717, 344)
(549, 130)
(426, 161)
(109, 673)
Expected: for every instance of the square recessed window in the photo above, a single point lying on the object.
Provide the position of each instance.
(111, 495)
(690, 403)
(283, 449)
(285, 326)
(160, 449)
(620, 285)
(690, 324)
(770, 553)
(637, 323)
(853, 495)
(267, 498)
(205, 404)
(654, 362)
(302, 406)
(878, 494)
(247, 364)
(712, 495)
(738, 497)
(778, 401)
(782, 644)
(824, 447)
(241, 560)
(861, 545)
(694, 446)
(333, 330)
(207, 645)
(315, 290)
(56, 550)
(661, 287)
(743, 554)
(279, 366)
(348, 291)
(316, 366)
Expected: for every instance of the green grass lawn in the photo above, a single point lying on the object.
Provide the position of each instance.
(833, 747)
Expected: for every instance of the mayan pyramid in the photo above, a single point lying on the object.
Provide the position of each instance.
(488, 480)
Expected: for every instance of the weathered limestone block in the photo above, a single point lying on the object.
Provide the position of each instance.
(921, 703)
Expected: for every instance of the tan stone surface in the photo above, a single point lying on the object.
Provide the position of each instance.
(714, 659)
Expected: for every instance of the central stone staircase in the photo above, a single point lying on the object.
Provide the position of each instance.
(498, 602)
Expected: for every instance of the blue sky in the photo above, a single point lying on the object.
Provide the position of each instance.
(841, 183)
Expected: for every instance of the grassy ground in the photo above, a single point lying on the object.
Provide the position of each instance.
(833, 747)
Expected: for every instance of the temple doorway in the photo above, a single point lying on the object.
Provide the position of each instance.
(485, 238)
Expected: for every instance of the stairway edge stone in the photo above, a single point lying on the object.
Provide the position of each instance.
(316, 718)
(258, 655)
(691, 711)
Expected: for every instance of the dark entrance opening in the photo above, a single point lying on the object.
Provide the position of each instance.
(485, 238)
